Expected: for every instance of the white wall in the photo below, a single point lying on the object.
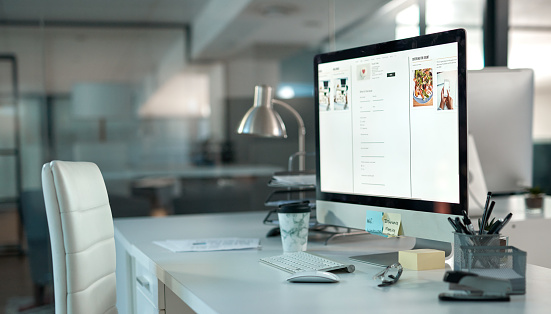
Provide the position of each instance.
(530, 49)
(244, 74)
(52, 59)
(217, 75)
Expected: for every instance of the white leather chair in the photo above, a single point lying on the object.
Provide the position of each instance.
(82, 237)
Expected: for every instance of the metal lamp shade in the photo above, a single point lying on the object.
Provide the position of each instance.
(262, 119)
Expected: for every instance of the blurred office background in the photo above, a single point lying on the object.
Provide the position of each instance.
(153, 91)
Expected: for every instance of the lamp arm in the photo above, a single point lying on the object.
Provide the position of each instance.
(301, 134)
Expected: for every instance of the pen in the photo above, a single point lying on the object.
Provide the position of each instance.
(461, 226)
(504, 222)
(454, 226)
(489, 214)
(468, 223)
(495, 227)
(486, 217)
(488, 197)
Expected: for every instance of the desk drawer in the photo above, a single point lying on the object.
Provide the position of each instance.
(143, 303)
(147, 285)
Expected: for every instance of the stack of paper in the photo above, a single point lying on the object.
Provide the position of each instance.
(203, 245)
(293, 179)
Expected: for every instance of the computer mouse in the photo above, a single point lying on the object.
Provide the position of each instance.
(273, 232)
(313, 276)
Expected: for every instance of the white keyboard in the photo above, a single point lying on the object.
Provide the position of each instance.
(303, 261)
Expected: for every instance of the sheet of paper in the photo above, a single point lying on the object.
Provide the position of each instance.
(374, 223)
(203, 245)
(391, 224)
(294, 180)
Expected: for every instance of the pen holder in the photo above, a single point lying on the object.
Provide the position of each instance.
(462, 240)
(488, 255)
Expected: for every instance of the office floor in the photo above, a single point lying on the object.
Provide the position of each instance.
(16, 279)
(16, 289)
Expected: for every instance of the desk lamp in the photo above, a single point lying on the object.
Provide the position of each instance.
(262, 120)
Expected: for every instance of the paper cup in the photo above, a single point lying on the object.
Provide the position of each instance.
(294, 220)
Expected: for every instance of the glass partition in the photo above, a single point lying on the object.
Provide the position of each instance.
(261, 44)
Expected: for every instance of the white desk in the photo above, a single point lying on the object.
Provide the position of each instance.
(235, 281)
(529, 230)
(192, 172)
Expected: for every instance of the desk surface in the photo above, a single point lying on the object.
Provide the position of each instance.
(236, 282)
(527, 227)
(192, 172)
(516, 205)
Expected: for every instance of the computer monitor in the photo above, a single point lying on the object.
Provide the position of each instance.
(500, 113)
(400, 144)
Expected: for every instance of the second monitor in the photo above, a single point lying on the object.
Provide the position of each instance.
(500, 113)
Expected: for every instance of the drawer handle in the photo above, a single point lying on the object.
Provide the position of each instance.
(143, 282)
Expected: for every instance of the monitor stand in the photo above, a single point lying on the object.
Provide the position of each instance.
(385, 259)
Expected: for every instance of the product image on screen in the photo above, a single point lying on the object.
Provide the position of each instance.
(422, 92)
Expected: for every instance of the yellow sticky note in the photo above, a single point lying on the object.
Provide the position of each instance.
(391, 224)
(422, 259)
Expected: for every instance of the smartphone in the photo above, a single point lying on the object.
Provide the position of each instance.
(446, 88)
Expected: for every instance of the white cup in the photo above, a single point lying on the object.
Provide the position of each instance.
(294, 220)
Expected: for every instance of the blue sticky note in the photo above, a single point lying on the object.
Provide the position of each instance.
(374, 223)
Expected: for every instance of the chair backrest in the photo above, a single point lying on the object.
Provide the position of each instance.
(82, 237)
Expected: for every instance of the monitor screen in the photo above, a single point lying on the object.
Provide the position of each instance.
(504, 141)
(391, 133)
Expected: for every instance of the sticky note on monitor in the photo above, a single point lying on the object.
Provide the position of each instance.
(391, 224)
(374, 223)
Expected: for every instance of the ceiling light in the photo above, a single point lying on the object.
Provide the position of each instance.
(277, 10)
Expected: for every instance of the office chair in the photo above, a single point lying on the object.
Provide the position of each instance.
(82, 237)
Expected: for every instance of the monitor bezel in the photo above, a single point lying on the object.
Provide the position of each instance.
(453, 36)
